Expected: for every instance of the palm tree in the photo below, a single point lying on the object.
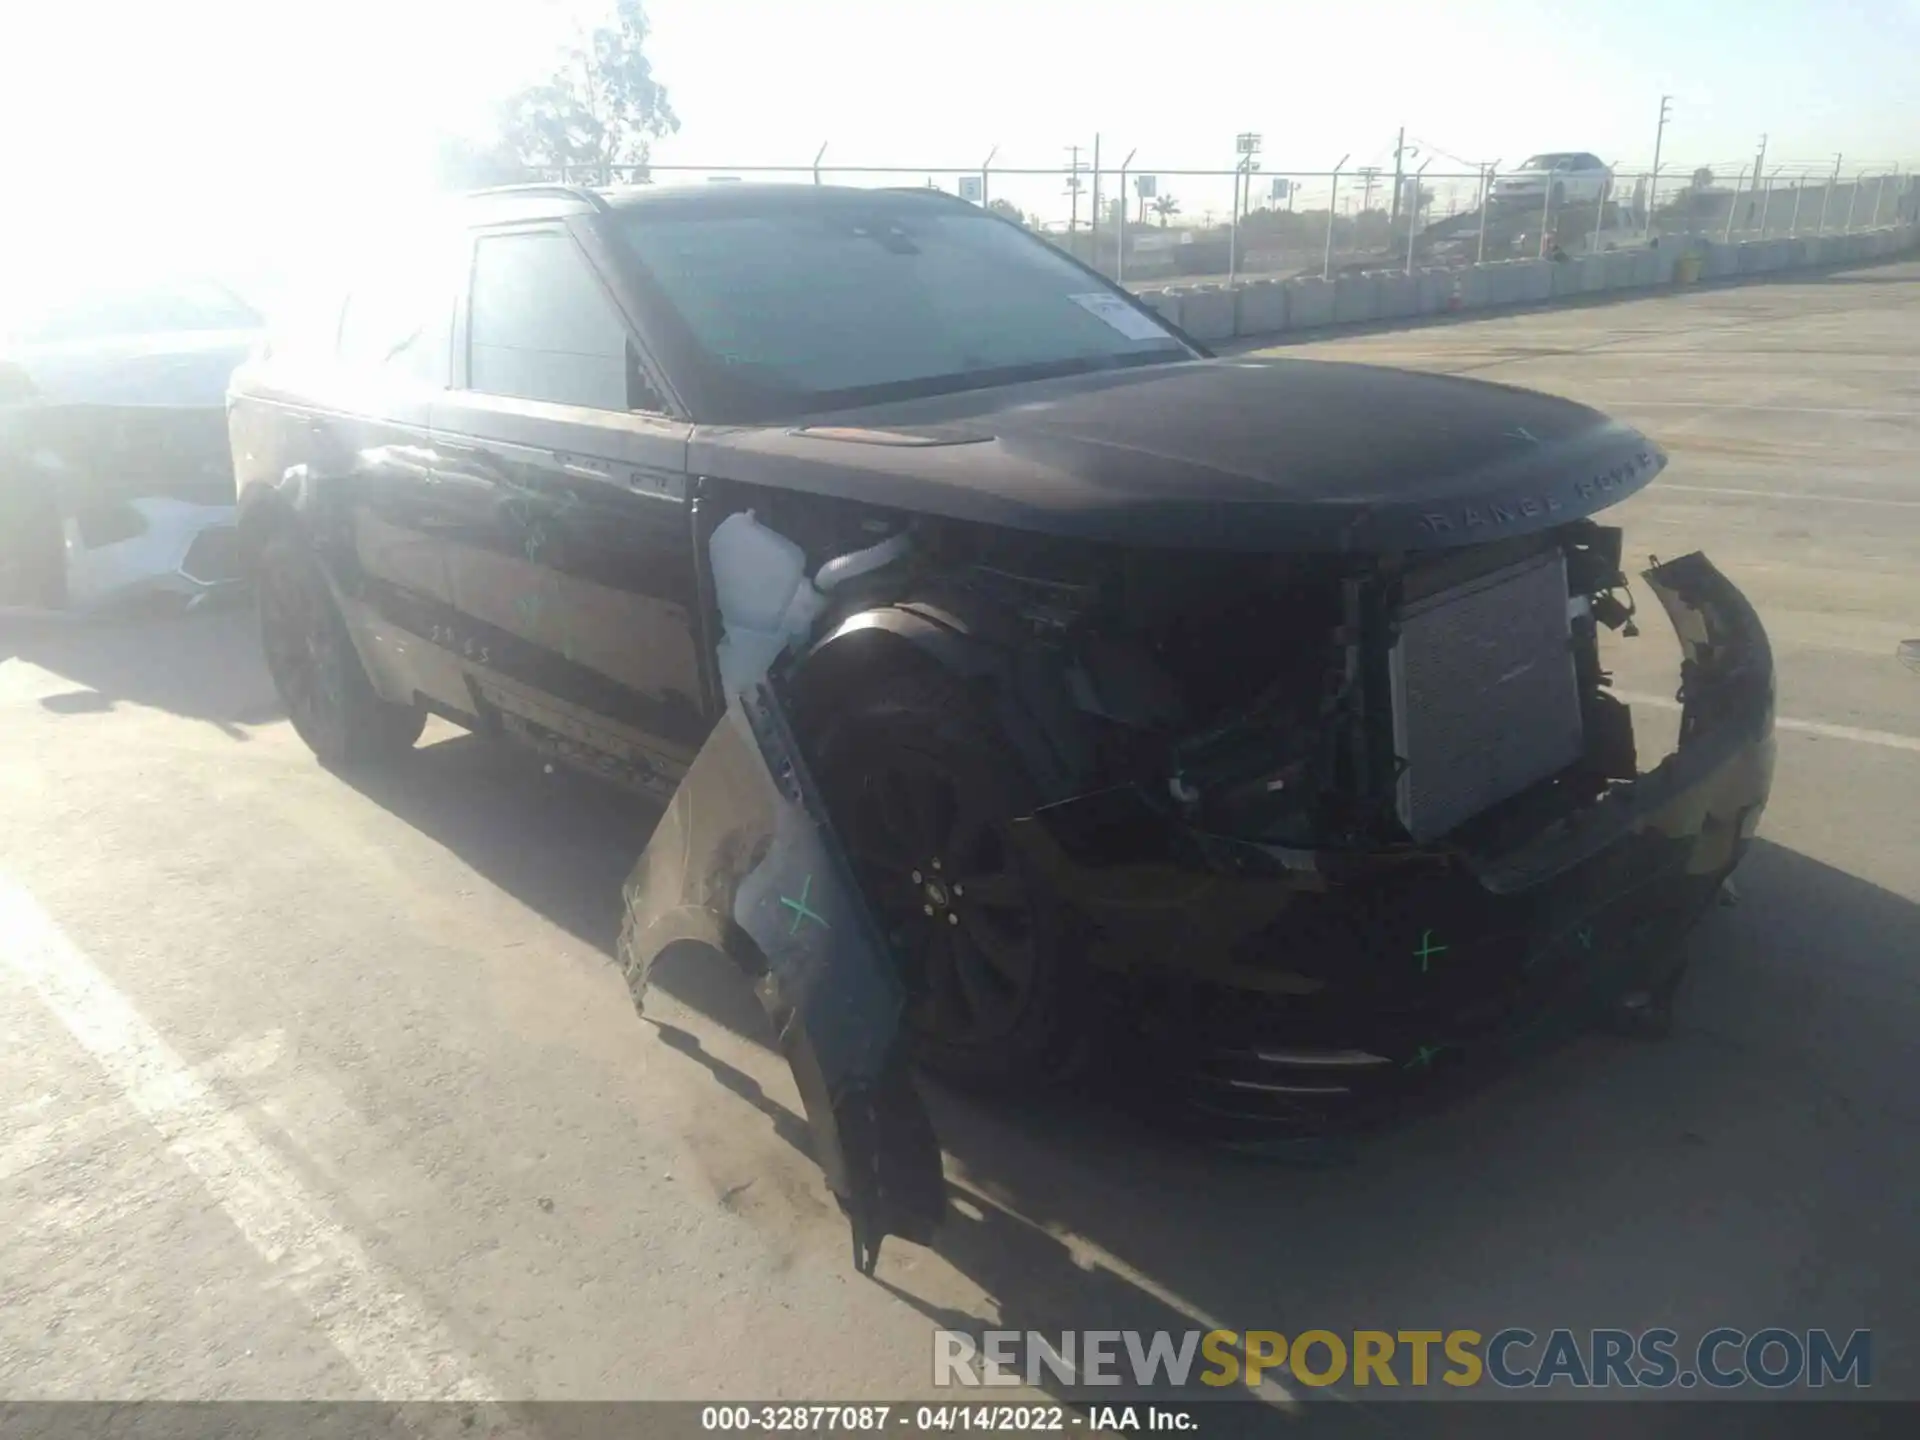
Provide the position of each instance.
(1166, 207)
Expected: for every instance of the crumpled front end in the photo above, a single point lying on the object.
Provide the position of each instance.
(130, 503)
(1322, 836)
(1300, 991)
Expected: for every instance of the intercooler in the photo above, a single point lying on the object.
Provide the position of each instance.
(1485, 698)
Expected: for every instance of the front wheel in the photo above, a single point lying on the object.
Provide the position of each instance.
(923, 789)
(316, 670)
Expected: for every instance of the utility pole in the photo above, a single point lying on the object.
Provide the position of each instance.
(1093, 213)
(1073, 190)
(1369, 174)
(1399, 174)
(1653, 181)
(1759, 161)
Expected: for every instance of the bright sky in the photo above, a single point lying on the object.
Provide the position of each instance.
(244, 115)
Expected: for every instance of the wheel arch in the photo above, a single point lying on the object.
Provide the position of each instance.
(1018, 683)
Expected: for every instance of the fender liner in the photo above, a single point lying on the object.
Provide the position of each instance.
(978, 642)
(745, 863)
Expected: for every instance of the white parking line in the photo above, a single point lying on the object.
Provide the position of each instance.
(1661, 487)
(1635, 403)
(1821, 728)
(399, 1349)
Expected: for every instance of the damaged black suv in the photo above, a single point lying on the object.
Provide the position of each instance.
(1022, 683)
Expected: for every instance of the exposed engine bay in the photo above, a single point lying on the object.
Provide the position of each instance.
(1315, 703)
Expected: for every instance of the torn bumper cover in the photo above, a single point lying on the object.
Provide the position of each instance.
(745, 862)
(1309, 991)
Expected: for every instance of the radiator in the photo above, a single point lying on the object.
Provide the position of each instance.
(1485, 698)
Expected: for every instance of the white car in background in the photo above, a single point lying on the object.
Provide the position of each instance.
(1571, 177)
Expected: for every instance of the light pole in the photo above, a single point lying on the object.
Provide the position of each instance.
(1600, 212)
(1333, 196)
(1766, 199)
(1073, 192)
(1653, 182)
(1486, 199)
(1246, 145)
(1413, 211)
(1733, 206)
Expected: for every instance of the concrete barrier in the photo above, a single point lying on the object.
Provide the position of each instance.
(1441, 291)
(1717, 261)
(1267, 307)
(1502, 284)
(1536, 280)
(1623, 269)
(1309, 302)
(1476, 286)
(1263, 308)
(1396, 296)
(1579, 275)
(1165, 302)
(1206, 312)
(1356, 298)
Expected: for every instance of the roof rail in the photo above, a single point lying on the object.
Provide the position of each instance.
(548, 188)
(933, 190)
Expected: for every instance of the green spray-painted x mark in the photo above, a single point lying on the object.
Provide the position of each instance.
(801, 911)
(1427, 950)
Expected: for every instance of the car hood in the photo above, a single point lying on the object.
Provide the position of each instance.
(176, 370)
(1231, 454)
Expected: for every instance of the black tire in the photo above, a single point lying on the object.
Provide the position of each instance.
(912, 763)
(316, 670)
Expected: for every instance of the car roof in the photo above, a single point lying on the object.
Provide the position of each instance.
(680, 201)
(764, 196)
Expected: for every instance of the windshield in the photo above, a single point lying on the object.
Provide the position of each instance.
(845, 300)
(125, 309)
(1547, 162)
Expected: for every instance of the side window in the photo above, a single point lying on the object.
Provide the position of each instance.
(304, 328)
(399, 320)
(541, 328)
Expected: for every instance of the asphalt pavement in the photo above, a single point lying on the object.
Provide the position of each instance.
(326, 1090)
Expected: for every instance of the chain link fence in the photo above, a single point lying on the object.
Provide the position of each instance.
(1156, 225)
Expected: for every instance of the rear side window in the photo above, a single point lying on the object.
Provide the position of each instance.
(541, 328)
(398, 319)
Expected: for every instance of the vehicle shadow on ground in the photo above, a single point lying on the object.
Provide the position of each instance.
(1747, 1169)
(204, 666)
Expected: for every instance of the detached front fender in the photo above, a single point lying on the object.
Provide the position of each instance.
(746, 863)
